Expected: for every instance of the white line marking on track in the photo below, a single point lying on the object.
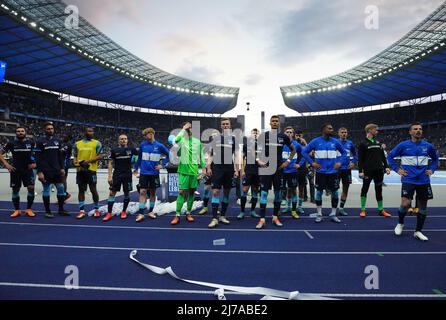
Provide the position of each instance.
(103, 226)
(309, 235)
(59, 246)
(281, 217)
(154, 290)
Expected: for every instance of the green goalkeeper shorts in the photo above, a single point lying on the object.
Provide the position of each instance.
(186, 182)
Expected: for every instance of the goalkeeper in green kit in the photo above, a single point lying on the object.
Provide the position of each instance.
(191, 158)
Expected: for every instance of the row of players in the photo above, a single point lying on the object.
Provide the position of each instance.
(272, 160)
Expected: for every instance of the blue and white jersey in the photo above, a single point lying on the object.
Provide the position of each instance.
(296, 159)
(416, 158)
(351, 156)
(326, 153)
(149, 157)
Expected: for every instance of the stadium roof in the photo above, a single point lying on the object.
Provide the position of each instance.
(413, 67)
(42, 52)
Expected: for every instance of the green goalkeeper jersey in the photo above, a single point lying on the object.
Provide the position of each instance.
(191, 154)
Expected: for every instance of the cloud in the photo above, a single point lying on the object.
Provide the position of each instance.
(194, 68)
(106, 12)
(337, 27)
(180, 44)
(253, 79)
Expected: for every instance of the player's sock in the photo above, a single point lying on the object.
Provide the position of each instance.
(263, 202)
(126, 202)
(81, 205)
(46, 202)
(421, 218)
(110, 204)
(402, 212)
(277, 202)
(380, 205)
(16, 200)
(206, 197)
(343, 203)
(300, 202)
(224, 205)
(334, 202)
(243, 200)
(215, 205)
(142, 208)
(96, 205)
(319, 202)
(30, 200)
(151, 205)
(61, 196)
(254, 199)
(190, 201)
(363, 203)
(294, 202)
(180, 203)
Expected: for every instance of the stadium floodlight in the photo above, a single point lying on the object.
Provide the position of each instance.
(33, 24)
(24, 18)
(58, 39)
(41, 29)
(5, 7)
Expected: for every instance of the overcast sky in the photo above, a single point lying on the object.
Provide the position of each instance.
(257, 45)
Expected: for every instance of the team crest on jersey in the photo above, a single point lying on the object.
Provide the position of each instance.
(56, 143)
(28, 146)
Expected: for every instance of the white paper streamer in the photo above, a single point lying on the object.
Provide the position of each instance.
(269, 294)
(160, 208)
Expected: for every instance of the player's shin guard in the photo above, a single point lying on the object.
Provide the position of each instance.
(215, 205)
(421, 218)
(16, 200)
(224, 205)
(263, 202)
